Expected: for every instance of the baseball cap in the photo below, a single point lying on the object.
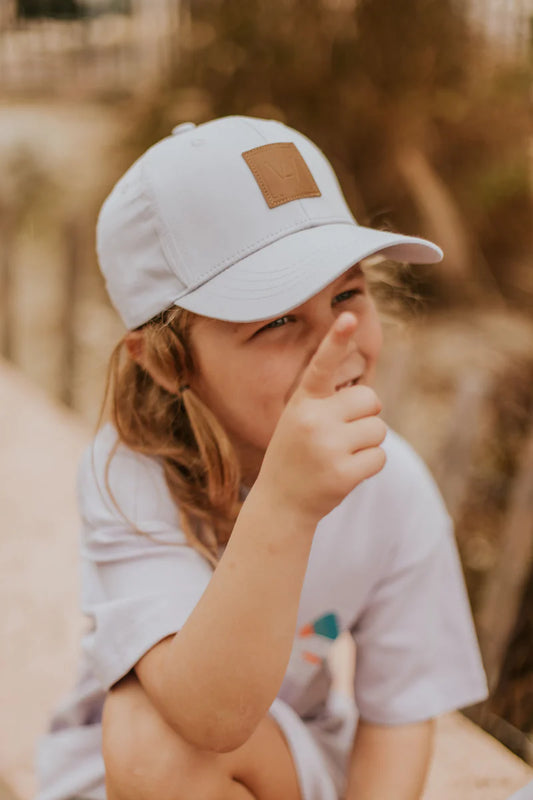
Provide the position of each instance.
(238, 218)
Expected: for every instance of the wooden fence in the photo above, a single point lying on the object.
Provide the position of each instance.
(94, 55)
(124, 52)
(505, 584)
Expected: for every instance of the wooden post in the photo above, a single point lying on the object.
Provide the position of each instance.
(502, 593)
(8, 220)
(453, 463)
(394, 381)
(72, 272)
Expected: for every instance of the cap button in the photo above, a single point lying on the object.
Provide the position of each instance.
(183, 127)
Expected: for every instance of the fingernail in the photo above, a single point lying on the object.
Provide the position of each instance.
(345, 321)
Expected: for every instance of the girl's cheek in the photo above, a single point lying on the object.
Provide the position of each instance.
(375, 332)
(378, 339)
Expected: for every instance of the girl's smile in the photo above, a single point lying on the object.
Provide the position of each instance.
(246, 372)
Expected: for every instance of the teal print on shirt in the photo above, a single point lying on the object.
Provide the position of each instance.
(318, 636)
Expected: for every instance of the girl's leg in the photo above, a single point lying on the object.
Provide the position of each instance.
(145, 759)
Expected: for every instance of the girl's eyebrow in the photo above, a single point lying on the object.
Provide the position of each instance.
(352, 272)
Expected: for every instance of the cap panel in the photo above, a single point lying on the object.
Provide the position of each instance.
(131, 257)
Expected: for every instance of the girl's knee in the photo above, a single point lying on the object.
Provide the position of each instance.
(121, 724)
(144, 757)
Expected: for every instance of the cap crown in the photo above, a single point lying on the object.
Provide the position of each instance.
(204, 198)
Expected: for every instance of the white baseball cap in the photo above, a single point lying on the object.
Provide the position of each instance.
(238, 218)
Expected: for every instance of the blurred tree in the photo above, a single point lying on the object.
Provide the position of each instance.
(94, 8)
(71, 9)
(424, 136)
(63, 9)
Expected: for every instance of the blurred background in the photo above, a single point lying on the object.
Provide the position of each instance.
(424, 109)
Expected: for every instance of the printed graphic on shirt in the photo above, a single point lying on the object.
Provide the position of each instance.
(311, 645)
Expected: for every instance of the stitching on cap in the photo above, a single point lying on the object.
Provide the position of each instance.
(247, 122)
(166, 233)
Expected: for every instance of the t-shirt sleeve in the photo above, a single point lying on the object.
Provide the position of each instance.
(417, 650)
(136, 589)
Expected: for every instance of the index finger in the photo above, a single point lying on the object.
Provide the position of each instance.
(319, 376)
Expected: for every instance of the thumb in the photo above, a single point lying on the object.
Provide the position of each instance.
(318, 379)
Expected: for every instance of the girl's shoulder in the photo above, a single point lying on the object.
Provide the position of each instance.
(395, 518)
(402, 458)
(405, 483)
(109, 469)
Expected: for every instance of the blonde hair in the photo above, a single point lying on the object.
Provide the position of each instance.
(200, 465)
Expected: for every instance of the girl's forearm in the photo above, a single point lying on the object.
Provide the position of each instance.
(223, 669)
(390, 761)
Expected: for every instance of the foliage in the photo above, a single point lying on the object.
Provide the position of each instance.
(63, 9)
(364, 80)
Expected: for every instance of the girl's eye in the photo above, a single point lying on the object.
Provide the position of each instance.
(276, 323)
(280, 322)
(346, 295)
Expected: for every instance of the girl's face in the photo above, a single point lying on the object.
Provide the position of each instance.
(246, 372)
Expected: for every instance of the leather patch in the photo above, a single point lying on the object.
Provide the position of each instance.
(281, 173)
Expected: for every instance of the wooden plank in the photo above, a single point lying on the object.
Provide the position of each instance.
(8, 220)
(502, 593)
(73, 251)
(452, 465)
(394, 380)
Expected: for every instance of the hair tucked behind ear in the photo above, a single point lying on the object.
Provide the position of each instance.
(200, 465)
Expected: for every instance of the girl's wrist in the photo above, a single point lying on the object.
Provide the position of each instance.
(275, 504)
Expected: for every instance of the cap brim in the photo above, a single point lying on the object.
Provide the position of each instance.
(292, 269)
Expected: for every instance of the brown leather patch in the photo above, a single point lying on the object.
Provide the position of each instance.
(281, 173)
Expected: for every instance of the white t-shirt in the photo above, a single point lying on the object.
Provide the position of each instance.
(383, 565)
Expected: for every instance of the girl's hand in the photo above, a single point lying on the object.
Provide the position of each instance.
(326, 442)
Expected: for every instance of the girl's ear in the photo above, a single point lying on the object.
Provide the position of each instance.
(135, 344)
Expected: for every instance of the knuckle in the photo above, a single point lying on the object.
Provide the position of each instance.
(369, 398)
(379, 458)
(307, 419)
(369, 463)
(337, 474)
(379, 429)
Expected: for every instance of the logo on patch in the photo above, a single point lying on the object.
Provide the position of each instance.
(281, 173)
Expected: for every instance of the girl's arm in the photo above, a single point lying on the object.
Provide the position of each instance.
(217, 677)
(390, 760)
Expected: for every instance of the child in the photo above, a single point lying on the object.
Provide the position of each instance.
(245, 437)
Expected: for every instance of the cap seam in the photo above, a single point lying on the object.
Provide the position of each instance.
(165, 234)
(263, 137)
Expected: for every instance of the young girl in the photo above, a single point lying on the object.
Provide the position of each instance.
(246, 504)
